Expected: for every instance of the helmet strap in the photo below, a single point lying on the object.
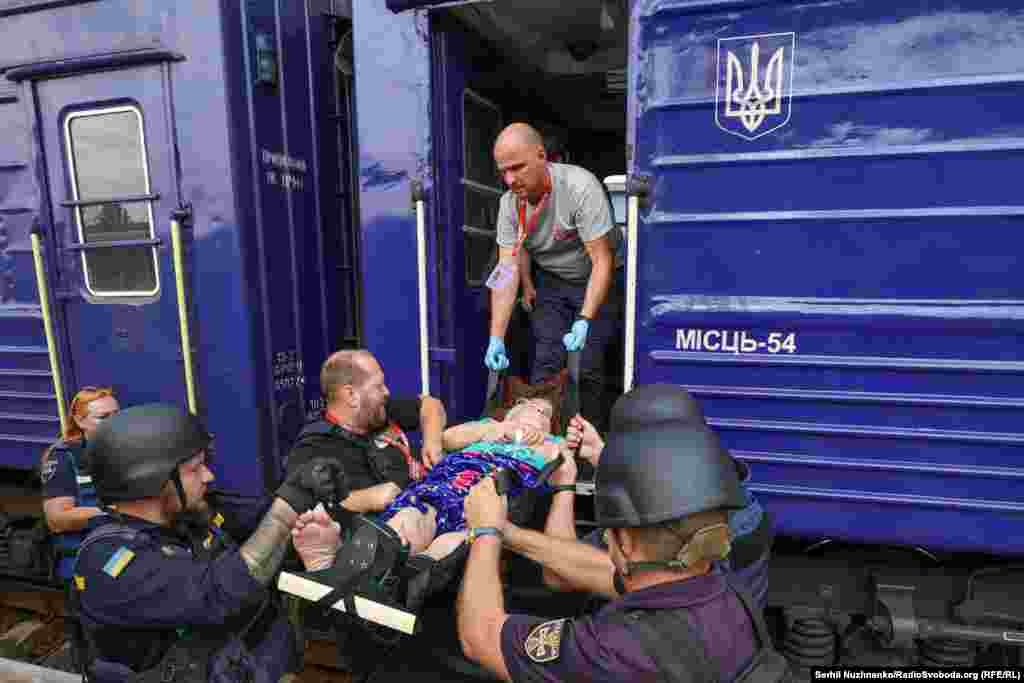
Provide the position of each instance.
(710, 543)
(619, 583)
(176, 478)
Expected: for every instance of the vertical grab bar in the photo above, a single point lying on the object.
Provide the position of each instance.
(636, 189)
(177, 253)
(421, 271)
(44, 304)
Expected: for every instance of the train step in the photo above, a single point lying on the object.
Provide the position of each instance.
(24, 358)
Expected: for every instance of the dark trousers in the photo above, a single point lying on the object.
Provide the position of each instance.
(557, 306)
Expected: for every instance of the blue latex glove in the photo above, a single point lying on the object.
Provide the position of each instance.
(496, 358)
(577, 337)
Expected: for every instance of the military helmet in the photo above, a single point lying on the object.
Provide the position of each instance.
(135, 452)
(661, 462)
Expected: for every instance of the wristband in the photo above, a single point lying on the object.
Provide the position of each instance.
(564, 487)
(478, 531)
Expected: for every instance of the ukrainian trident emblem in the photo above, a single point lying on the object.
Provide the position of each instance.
(754, 85)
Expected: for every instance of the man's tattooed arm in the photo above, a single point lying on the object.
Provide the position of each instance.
(265, 549)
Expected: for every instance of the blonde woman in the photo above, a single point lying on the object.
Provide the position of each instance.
(69, 498)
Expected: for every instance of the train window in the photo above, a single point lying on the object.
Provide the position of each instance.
(110, 179)
(481, 123)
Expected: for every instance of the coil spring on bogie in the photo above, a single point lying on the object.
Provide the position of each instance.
(810, 642)
(942, 652)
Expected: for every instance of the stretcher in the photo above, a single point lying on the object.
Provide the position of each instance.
(349, 589)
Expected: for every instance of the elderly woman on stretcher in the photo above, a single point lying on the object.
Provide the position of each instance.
(417, 545)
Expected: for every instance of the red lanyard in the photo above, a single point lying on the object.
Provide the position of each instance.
(329, 417)
(526, 228)
(394, 436)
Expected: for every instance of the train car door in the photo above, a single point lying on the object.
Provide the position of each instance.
(109, 151)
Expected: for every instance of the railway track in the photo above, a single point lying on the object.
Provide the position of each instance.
(35, 648)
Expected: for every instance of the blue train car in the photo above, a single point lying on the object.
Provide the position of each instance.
(824, 257)
(820, 242)
(232, 119)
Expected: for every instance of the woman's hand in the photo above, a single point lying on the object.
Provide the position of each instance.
(582, 435)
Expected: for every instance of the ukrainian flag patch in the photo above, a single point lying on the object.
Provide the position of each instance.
(118, 561)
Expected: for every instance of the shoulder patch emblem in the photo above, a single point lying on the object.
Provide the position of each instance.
(545, 641)
(118, 561)
(168, 550)
(49, 468)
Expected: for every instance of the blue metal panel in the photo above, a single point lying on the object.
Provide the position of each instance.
(233, 381)
(876, 225)
(392, 62)
(274, 133)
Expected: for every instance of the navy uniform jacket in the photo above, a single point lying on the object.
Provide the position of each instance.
(136, 595)
(63, 474)
(601, 648)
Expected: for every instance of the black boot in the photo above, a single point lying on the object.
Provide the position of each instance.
(427, 576)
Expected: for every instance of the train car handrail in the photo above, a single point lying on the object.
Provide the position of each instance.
(129, 199)
(81, 64)
(177, 253)
(418, 198)
(44, 304)
(90, 246)
(637, 189)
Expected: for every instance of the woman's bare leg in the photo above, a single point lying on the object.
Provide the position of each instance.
(444, 544)
(416, 528)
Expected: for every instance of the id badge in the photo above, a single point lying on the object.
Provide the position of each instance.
(501, 276)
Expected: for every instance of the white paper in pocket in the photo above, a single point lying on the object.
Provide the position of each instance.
(501, 276)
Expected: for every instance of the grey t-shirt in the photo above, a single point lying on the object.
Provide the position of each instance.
(577, 211)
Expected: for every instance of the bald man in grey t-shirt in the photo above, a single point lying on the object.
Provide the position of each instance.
(556, 216)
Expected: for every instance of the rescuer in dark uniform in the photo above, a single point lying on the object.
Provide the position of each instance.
(664, 487)
(363, 430)
(570, 566)
(163, 593)
(69, 497)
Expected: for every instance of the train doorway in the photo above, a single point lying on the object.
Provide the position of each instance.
(561, 68)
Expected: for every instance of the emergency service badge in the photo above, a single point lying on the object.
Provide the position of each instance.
(545, 641)
(754, 84)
